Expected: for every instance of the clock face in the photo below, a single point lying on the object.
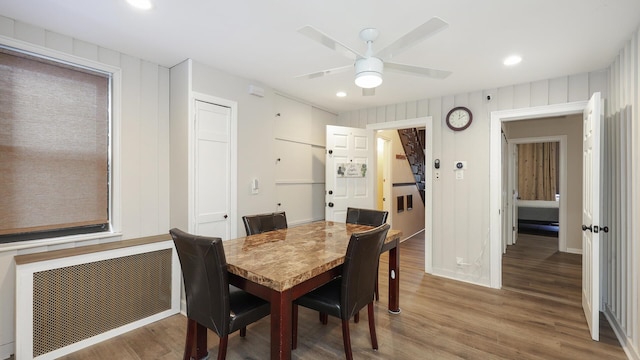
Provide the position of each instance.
(459, 118)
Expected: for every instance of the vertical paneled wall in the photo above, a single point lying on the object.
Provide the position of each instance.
(144, 125)
(461, 206)
(299, 141)
(459, 220)
(143, 135)
(621, 197)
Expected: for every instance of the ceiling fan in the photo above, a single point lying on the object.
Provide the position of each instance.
(369, 67)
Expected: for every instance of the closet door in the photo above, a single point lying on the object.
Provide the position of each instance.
(212, 157)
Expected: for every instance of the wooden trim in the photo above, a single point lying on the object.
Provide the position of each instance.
(83, 250)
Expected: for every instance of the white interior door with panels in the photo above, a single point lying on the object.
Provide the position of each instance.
(212, 165)
(350, 171)
(592, 118)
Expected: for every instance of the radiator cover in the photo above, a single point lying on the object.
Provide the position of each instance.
(70, 302)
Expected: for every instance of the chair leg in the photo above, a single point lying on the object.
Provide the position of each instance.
(243, 331)
(377, 291)
(324, 318)
(294, 327)
(372, 327)
(222, 349)
(356, 317)
(346, 339)
(196, 343)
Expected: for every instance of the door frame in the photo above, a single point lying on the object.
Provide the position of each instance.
(495, 172)
(562, 206)
(427, 122)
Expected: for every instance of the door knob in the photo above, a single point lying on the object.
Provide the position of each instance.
(226, 216)
(585, 228)
(330, 192)
(330, 204)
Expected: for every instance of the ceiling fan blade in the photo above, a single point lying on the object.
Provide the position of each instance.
(322, 73)
(430, 28)
(368, 92)
(416, 70)
(324, 39)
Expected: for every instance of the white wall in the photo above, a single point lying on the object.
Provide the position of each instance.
(300, 144)
(263, 137)
(461, 207)
(145, 151)
(621, 198)
(461, 223)
(144, 139)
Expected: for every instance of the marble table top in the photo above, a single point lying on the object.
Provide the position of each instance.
(281, 259)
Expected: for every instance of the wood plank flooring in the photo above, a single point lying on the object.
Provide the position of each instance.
(540, 318)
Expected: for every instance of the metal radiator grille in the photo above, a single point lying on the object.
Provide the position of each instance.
(74, 303)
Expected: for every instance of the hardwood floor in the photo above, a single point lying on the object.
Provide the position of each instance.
(536, 267)
(541, 318)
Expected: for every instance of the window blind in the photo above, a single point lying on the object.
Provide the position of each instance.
(54, 145)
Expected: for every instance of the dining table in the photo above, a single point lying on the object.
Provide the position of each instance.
(282, 265)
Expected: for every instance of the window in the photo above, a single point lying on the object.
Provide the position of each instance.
(54, 147)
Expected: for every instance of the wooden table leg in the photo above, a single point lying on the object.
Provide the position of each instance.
(281, 307)
(394, 279)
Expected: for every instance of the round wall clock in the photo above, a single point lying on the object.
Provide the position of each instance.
(459, 118)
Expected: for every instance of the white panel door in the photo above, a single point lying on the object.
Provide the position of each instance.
(350, 172)
(212, 170)
(591, 214)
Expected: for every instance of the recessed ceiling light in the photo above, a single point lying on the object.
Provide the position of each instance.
(512, 60)
(141, 4)
(341, 94)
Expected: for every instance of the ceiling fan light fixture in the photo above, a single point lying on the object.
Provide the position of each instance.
(368, 72)
(368, 79)
(141, 4)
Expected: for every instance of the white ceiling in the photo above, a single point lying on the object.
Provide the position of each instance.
(258, 39)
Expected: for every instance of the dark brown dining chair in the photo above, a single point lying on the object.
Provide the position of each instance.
(257, 224)
(366, 217)
(211, 302)
(344, 296)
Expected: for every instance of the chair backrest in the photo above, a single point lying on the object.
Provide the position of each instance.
(360, 269)
(206, 281)
(256, 224)
(366, 216)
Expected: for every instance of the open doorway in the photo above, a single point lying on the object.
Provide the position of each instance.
(498, 188)
(400, 188)
(566, 131)
(545, 155)
(426, 123)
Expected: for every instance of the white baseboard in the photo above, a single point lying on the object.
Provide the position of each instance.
(6, 350)
(625, 342)
(574, 251)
